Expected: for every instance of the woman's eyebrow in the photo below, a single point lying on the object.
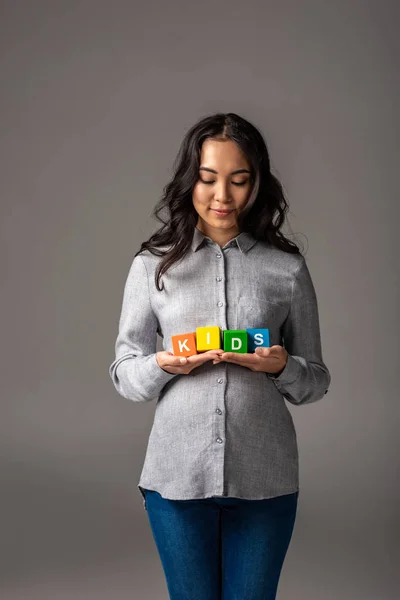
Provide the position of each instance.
(216, 172)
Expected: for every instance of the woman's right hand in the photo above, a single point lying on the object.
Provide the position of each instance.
(183, 364)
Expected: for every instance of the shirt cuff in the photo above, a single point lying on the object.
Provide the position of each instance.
(139, 378)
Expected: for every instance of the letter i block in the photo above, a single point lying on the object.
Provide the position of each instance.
(208, 338)
(184, 344)
(257, 337)
(235, 340)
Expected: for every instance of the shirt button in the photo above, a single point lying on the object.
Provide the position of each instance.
(220, 303)
(218, 411)
(219, 440)
(219, 278)
(220, 380)
(218, 255)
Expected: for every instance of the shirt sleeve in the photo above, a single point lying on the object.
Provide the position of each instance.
(135, 371)
(305, 378)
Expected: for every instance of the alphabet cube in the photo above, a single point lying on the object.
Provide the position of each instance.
(257, 337)
(235, 340)
(184, 344)
(208, 338)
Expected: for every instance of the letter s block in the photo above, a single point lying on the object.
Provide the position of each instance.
(235, 340)
(208, 338)
(184, 344)
(257, 337)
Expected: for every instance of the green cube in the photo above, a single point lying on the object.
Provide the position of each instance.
(235, 340)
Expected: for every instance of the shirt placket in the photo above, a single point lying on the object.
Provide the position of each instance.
(219, 406)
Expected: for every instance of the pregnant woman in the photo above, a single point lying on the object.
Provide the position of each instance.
(220, 479)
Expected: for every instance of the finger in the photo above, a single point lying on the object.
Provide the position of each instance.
(239, 357)
(202, 357)
(263, 351)
(276, 350)
(193, 359)
(176, 361)
(168, 360)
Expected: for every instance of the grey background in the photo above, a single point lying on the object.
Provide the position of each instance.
(95, 99)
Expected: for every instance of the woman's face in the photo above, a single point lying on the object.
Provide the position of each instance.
(224, 185)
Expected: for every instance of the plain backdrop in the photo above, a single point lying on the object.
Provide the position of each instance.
(95, 99)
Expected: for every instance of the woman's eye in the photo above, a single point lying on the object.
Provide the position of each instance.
(234, 182)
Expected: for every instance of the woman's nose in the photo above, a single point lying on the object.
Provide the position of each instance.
(221, 193)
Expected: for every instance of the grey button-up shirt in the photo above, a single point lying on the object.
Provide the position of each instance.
(222, 430)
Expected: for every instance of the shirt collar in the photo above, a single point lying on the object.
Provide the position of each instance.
(244, 240)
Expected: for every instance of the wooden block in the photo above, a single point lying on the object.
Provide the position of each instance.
(184, 344)
(235, 340)
(208, 338)
(257, 338)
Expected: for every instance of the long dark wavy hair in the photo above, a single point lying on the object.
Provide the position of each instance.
(263, 216)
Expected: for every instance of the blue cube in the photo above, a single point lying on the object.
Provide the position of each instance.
(257, 337)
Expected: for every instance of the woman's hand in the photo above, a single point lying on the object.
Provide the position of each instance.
(269, 360)
(183, 364)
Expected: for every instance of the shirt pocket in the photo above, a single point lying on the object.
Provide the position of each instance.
(253, 311)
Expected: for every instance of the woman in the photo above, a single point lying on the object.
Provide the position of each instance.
(220, 476)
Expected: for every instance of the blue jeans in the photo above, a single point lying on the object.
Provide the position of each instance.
(222, 548)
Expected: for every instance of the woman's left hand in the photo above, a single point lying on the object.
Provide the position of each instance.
(269, 360)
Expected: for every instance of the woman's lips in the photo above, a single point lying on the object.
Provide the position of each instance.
(221, 213)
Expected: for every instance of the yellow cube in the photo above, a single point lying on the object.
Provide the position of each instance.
(208, 338)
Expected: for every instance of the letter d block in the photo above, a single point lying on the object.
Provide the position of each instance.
(235, 340)
(208, 338)
(184, 344)
(257, 337)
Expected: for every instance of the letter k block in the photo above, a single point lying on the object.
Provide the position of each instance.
(184, 344)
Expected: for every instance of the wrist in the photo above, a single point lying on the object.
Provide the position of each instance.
(274, 375)
(281, 371)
